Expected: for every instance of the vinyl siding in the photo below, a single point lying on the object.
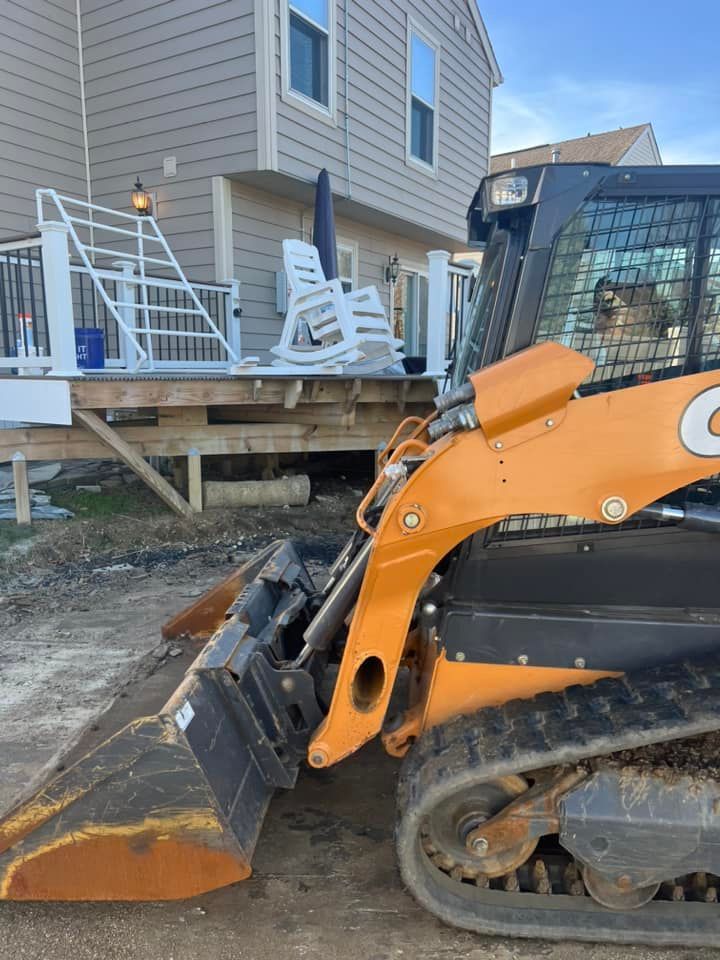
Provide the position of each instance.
(171, 78)
(260, 223)
(641, 152)
(40, 119)
(380, 176)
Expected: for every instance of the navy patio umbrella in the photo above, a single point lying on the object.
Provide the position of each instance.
(324, 226)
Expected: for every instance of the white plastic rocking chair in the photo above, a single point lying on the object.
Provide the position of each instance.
(351, 328)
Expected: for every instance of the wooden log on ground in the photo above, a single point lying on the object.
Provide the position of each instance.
(292, 491)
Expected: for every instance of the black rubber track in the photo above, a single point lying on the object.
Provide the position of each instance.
(582, 722)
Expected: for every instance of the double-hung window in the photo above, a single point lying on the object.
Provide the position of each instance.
(309, 50)
(422, 98)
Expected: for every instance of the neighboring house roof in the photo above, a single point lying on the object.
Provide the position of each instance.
(495, 71)
(609, 147)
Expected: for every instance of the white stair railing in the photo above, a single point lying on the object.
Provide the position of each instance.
(127, 309)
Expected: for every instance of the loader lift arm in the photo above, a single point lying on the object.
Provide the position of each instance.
(534, 449)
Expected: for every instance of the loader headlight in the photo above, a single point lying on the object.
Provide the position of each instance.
(506, 191)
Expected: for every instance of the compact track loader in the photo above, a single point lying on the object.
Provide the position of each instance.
(538, 562)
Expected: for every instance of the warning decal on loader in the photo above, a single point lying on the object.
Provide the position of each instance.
(184, 715)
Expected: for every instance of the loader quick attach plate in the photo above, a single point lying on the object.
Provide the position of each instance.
(172, 805)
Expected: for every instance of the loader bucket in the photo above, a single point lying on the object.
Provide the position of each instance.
(172, 805)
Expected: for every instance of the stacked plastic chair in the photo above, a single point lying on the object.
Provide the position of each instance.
(350, 330)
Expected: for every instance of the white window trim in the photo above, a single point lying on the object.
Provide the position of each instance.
(414, 27)
(354, 247)
(295, 98)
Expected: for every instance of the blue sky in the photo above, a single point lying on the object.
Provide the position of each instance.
(576, 66)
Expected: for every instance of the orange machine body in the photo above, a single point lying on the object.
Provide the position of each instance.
(537, 450)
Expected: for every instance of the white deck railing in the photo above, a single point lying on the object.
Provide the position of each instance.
(130, 295)
(46, 294)
(448, 300)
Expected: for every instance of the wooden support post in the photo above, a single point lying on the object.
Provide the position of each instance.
(194, 462)
(403, 390)
(353, 389)
(122, 449)
(378, 452)
(293, 390)
(22, 490)
(271, 466)
(180, 474)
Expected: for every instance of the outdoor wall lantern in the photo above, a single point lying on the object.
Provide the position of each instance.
(141, 199)
(392, 269)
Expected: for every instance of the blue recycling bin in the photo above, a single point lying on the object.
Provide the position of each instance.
(90, 348)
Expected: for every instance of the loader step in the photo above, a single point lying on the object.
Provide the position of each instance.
(579, 724)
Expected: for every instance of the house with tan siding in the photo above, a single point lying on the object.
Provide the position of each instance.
(228, 110)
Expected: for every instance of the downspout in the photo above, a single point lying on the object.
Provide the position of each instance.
(83, 114)
(347, 99)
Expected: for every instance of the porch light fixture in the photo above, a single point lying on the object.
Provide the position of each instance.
(392, 269)
(141, 199)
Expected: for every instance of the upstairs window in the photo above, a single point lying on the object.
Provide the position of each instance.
(309, 49)
(422, 105)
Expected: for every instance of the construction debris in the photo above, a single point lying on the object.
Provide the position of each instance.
(37, 473)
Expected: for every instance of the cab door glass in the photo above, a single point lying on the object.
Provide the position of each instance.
(477, 323)
(621, 288)
(709, 315)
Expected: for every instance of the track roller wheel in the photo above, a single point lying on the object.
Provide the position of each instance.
(616, 896)
(445, 830)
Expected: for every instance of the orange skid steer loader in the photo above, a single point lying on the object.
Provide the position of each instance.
(538, 557)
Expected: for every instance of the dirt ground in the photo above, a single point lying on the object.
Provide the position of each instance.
(79, 631)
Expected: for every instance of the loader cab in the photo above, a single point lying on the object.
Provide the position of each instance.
(623, 265)
(620, 263)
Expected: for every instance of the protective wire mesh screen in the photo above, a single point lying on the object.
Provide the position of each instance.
(634, 284)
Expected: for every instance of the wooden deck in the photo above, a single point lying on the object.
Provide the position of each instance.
(129, 418)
